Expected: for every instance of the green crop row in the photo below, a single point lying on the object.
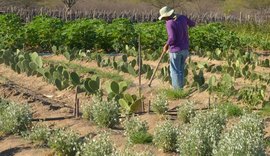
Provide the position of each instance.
(62, 78)
(32, 64)
(120, 36)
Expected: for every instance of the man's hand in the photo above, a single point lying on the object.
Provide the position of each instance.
(165, 48)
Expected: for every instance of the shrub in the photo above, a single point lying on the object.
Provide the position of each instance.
(98, 146)
(81, 33)
(86, 111)
(64, 143)
(186, 112)
(202, 135)
(214, 35)
(130, 152)
(3, 105)
(43, 32)
(136, 131)
(121, 33)
(39, 134)
(11, 34)
(14, 118)
(160, 104)
(165, 136)
(245, 138)
(104, 113)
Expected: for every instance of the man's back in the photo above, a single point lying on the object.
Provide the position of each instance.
(178, 33)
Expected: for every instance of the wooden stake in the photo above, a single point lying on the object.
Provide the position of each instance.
(78, 108)
(75, 102)
(140, 70)
(149, 106)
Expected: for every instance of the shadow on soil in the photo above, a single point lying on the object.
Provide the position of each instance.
(13, 151)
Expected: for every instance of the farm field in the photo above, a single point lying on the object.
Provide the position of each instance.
(46, 65)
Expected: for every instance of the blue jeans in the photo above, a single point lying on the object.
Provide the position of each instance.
(177, 68)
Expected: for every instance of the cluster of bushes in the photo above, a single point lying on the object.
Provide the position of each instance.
(121, 35)
(203, 133)
(43, 32)
(251, 34)
(14, 118)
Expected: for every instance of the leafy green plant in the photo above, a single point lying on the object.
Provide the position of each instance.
(97, 146)
(211, 36)
(43, 32)
(14, 118)
(81, 33)
(103, 113)
(136, 131)
(160, 104)
(245, 138)
(202, 135)
(11, 32)
(120, 34)
(165, 136)
(185, 112)
(64, 142)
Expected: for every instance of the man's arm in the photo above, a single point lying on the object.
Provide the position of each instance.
(171, 36)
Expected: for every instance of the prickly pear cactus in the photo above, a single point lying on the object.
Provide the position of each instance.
(74, 78)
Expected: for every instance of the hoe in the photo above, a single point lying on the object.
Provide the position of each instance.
(159, 61)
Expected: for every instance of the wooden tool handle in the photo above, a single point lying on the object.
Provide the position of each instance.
(159, 61)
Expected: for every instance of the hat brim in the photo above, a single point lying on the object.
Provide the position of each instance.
(168, 14)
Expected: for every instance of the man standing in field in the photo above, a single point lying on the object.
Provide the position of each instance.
(177, 43)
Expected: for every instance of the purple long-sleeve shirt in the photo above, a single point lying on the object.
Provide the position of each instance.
(177, 30)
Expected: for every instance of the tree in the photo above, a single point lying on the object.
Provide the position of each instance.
(238, 5)
(258, 4)
(202, 6)
(171, 3)
(69, 4)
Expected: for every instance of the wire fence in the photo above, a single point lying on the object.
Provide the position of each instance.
(134, 15)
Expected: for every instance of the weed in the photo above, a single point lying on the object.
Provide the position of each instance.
(64, 143)
(39, 134)
(245, 138)
(230, 109)
(174, 94)
(98, 146)
(160, 104)
(165, 136)
(14, 118)
(103, 113)
(202, 135)
(186, 112)
(136, 131)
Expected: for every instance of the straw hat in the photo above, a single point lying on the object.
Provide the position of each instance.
(165, 12)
